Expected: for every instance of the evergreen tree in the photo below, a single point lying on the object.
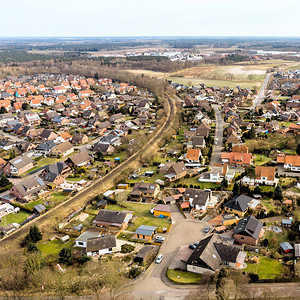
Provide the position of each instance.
(236, 189)
(278, 193)
(4, 181)
(3, 110)
(298, 149)
(34, 234)
(65, 256)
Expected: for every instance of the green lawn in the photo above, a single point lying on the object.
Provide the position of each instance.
(14, 218)
(268, 204)
(261, 160)
(183, 277)
(287, 181)
(267, 268)
(54, 247)
(33, 203)
(194, 181)
(58, 196)
(280, 237)
(267, 188)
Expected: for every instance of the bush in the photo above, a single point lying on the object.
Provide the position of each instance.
(253, 277)
(134, 272)
(127, 248)
(83, 259)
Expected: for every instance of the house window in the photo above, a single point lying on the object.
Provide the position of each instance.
(80, 243)
(109, 249)
(242, 237)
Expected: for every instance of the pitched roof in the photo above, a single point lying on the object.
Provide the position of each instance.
(162, 207)
(268, 172)
(111, 216)
(193, 154)
(248, 226)
(79, 158)
(100, 243)
(65, 146)
(239, 203)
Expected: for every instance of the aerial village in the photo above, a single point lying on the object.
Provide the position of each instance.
(227, 181)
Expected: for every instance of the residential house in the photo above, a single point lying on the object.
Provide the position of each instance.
(81, 241)
(248, 231)
(196, 142)
(174, 171)
(113, 220)
(79, 138)
(237, 159)
(197, 198)
(26, 188)
(193, 155)
(240, 204)
(104, 148)
(211, 254)
(18, 165)
(45, 148)
(48, 135)
(144, 191)
(117, 118)
(290, 162)
(263, 175)
(79, 160)
(63, 149)
(101, 245)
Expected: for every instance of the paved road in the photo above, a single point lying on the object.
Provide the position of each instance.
(14, 138)
(183, 232)
(216, 154)
(260, 95)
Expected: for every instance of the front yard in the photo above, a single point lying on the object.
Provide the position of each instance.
(183, 277)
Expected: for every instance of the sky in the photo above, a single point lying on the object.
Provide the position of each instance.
(88, 18)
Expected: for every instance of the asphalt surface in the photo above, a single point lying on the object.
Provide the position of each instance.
(217, 149)
(260, 95)
(100, 182)
(183, 232)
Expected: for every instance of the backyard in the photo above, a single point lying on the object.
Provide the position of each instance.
(53, 247)
(266, 268)
(14, 218)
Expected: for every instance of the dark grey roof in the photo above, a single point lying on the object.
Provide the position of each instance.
(239, 203)
(199, 196)
(99, 243)
(46, 146)
(111, 216)
(145, 230)
(248, 226)
(226, 252)
(56, 168)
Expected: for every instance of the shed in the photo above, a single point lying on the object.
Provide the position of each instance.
(39, 208)
(146, 253)
(122, 186)
(220, 229)
(102, 204)
(185, 205)
(286, 247)
(64, 239)
(149, 173)
(286, 222)
(145, 232)
(162, 211)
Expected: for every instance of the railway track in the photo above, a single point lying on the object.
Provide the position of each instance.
(101, 181)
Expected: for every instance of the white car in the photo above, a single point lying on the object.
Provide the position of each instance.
(159, 258)
(160, 238)
(151, 211)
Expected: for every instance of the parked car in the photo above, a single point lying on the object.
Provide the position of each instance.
(206, 230)
(196, 244)
(192, 246)
(159, 238)
(159, 258)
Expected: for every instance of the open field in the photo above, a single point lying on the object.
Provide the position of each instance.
(216, 75)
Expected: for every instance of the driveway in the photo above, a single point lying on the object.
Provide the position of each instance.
(183, 232)
(217, 149)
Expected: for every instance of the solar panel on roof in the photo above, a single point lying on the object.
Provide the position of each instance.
(40, 181)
